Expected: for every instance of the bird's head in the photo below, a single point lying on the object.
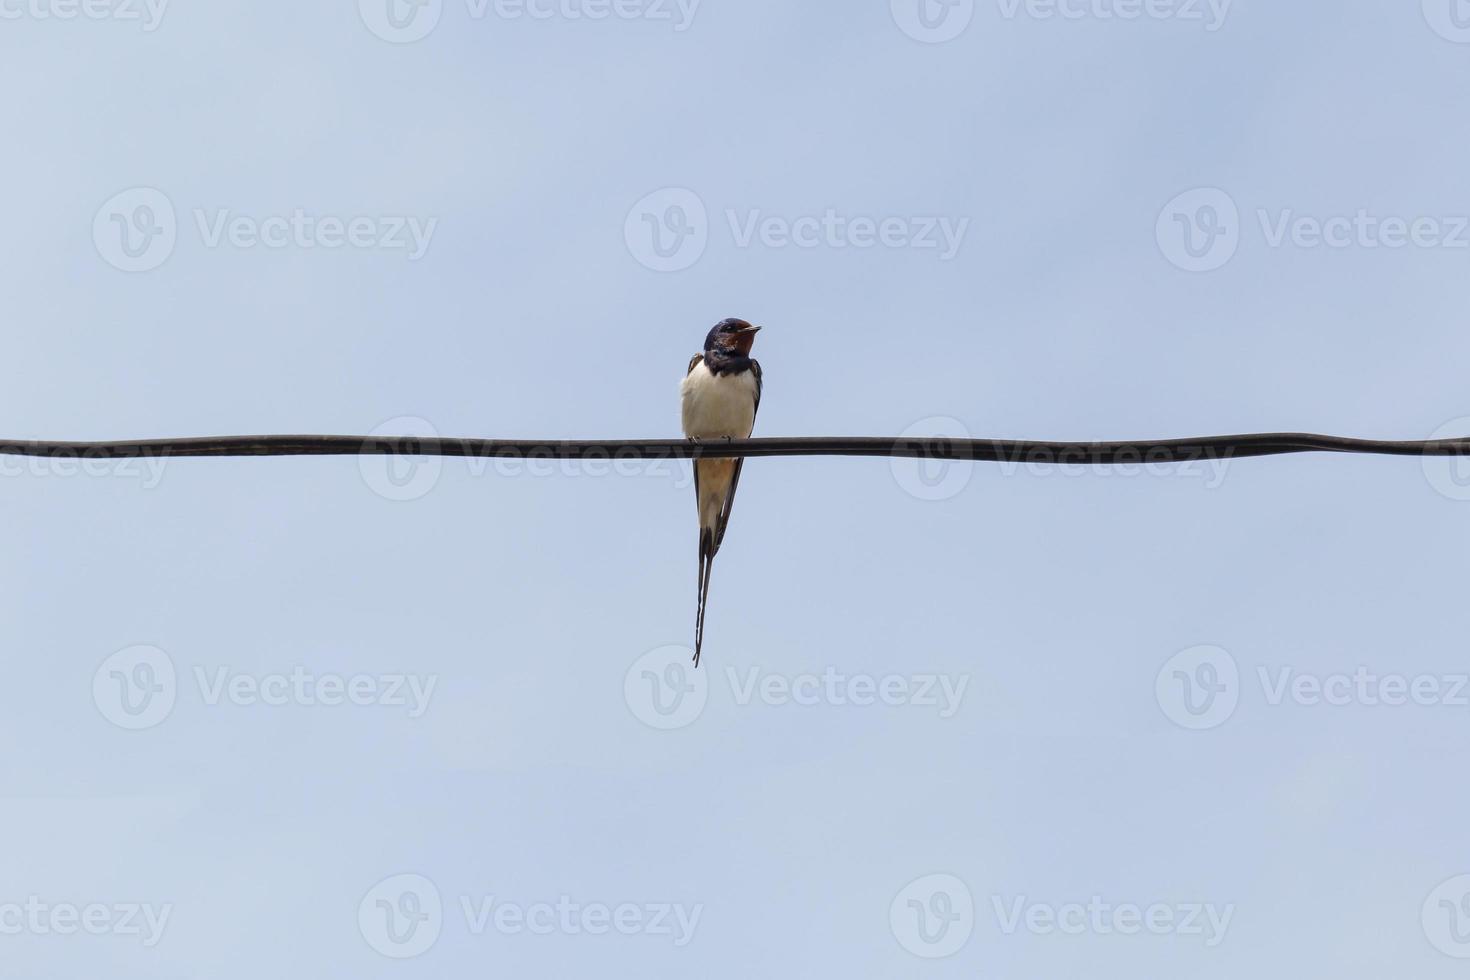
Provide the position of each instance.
(736, 336)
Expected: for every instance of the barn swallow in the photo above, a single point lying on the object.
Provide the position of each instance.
(720, 395)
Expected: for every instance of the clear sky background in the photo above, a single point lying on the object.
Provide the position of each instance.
(1063, 609)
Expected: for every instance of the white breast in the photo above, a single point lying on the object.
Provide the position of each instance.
(718, 406)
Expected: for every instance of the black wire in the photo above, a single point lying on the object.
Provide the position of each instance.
(991, 450)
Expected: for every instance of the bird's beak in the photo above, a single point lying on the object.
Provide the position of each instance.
(750, 330)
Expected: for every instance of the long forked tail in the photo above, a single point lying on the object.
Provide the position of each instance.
(707, 549)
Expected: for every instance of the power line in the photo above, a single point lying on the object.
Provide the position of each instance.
(938, 448)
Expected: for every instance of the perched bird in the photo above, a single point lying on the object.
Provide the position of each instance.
(720, 395)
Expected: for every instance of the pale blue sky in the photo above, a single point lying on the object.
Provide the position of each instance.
(533, 608)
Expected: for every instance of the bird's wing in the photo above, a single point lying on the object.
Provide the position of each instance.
(755, 369)
(693, 364)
